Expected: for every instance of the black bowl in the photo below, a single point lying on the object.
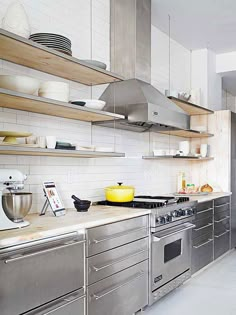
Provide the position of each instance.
(79, 103)
(82, 206)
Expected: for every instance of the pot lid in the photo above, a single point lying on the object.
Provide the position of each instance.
(120, 186)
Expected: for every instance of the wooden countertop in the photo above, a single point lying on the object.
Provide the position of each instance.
(49, 225)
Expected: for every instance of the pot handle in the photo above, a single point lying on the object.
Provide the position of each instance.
(120, 184)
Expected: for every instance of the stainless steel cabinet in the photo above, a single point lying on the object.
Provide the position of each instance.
(221, 226)
(202, 237)
(122, 293)
(71, 304)
(38, 272)
(117, 267)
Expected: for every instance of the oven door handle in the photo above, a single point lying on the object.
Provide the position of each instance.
(186, 228)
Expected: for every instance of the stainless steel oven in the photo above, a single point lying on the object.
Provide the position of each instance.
(171, 254)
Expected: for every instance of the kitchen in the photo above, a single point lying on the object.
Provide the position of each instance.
(114, 154)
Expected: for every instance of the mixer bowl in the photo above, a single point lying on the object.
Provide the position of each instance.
(16, 205)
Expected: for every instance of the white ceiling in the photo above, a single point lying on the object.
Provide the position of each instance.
(198, 24)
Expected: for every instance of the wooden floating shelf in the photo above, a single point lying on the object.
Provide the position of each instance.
(190, 108)
(20, 150)
(169, 157)
(187, 133)
(27, 53)
(41, 105)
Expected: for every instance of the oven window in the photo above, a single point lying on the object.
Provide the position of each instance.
(172, 250)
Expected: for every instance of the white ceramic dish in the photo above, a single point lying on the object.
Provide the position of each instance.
(19, 83)
(62, 97)
(159, 152)
(54, 85)
(94, 104)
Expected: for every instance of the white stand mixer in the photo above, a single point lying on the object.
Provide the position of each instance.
(11, 180)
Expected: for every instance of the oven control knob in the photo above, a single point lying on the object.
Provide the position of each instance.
(168, 218)
(175, 213)
(189, 211)
(162, 220)
(181, 213)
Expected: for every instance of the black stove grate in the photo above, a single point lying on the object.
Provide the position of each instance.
(143, 204)
(133, 204)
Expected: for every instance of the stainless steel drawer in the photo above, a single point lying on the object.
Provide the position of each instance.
(37, 274)
(202, 253)
(103, 265)
(221, 226)
(123, 293)
(221, 215)
(223, 207)
(207, 213)
(204, 226)
(204, 206)
(222, 200)
(221, 243)
(109, 236)
(71, 304)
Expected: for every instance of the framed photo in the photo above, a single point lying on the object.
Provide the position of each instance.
(53, 198)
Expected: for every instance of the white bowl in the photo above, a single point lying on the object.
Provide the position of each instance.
(19, 83)
(63, 97)
(54, 85)
(94, 104)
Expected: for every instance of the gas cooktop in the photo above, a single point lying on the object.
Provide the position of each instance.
(147, 202)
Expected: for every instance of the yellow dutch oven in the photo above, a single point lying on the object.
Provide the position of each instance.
(119, 193)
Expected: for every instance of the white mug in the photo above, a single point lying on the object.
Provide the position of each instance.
(184, 146)
(51, 142)
(41, 141)
(204, 149)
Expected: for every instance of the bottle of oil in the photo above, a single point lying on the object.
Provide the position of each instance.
(181, 182)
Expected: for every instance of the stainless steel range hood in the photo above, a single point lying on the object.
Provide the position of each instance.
(142, 104)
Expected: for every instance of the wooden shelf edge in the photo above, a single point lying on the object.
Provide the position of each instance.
(187, 133)
(9, 39)
(190, 108)
(16, 150)
(40, 105)
(169, 157)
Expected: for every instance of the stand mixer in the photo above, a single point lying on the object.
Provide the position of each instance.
(12, 180)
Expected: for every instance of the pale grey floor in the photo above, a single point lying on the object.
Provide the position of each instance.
(211, 292)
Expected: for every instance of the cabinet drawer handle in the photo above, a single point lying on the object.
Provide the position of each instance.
(203, 244)
(118, 260)
(64, 305)
(217, 236)
(204, 211)
(40, 252)
(223, 204)
(221, 220)
(203, 227)
(187, 227)
(95, 241)
(99, 296)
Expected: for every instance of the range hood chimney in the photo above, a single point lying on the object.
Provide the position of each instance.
(142, 104)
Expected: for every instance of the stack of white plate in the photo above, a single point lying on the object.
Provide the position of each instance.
(54, 41)
(55, 90)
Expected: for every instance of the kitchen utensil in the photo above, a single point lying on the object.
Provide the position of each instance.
(119, 193)
(94, 104)
(17, 205)
(19, 83)
(203, 149)
(16, 20)
(81, 205)
(96, 63)
(184, 146)
(10, 136)
(78, 103)
(51, 142)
